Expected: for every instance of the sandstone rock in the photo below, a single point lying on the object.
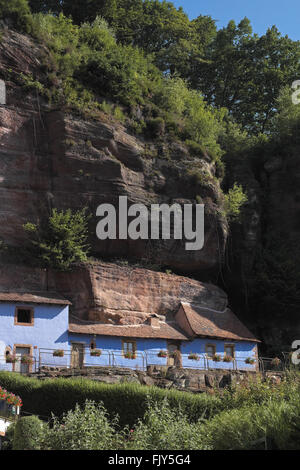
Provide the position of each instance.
(53, 159)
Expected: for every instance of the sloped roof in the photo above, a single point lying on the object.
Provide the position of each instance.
(213, 324)
(164, 331)
(34, 298)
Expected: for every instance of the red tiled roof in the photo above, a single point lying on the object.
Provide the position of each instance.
(209, 323)
(164, 331)
(34, 298)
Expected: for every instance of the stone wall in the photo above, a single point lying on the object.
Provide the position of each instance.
(189, 380)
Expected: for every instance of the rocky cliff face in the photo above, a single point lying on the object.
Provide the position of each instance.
(50, 158)
(109, 293)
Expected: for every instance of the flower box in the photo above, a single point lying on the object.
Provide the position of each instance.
(227, 359)
(216, 358)
(249, 360)
(130, 355)
(193, 357)
(162, 354)
(95, 352)
(11, 359)
(26, 360)
(58, 353)
(10, 398)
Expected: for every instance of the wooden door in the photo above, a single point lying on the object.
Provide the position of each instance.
(172, 347)
(77, 355)
(19, 367)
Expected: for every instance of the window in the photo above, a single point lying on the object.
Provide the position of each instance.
(24, 316)
(128, 347)
(210, 350)
(229, 350)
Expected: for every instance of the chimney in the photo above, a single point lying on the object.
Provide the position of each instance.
(154, 321)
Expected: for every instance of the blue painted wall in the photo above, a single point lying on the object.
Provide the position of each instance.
(144, 348)
(243, 350)
(50, 329)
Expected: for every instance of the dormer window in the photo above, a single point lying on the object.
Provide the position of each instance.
(24, 316)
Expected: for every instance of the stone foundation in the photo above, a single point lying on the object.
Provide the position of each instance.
(189, 380)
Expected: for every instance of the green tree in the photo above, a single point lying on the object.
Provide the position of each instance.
(17, 12)
(245, 73)
(61, 240)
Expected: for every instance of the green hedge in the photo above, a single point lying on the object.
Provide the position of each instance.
(129, 401)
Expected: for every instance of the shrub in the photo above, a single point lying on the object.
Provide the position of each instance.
(164, 429)
(156, 126)
(61, 240)
(234, 201)
(275, 423)
(60, 395)
(28, 431)
(86, 428)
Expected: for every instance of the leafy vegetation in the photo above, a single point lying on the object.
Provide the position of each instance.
(256, 415)
(17, 13)
(27, 432)
(61, 240)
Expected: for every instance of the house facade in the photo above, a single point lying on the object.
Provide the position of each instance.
(40, 327)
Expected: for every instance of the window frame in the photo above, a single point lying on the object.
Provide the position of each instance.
(31, 309)
(232, 347)
(126, 341)
(210, 345)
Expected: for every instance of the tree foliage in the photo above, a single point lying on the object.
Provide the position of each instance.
(17, 13)
(61, 240)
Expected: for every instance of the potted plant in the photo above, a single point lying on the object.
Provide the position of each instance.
(249, 360)
(95, 352)
(193, 357)
(58, 353)
(216, 358)
(275, 362)
(227, 359)
(162, 354)
(26, 359)
(130, 355)
(11, 359)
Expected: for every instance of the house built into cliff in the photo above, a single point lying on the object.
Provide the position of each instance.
(37, 329)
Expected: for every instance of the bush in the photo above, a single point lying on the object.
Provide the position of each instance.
(156, 127)
(234, 201)
(60, 395)
(28, 431)
(275, 423)
(164, 428)
(86, 428)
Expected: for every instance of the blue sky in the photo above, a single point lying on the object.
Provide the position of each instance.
(285, 14)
